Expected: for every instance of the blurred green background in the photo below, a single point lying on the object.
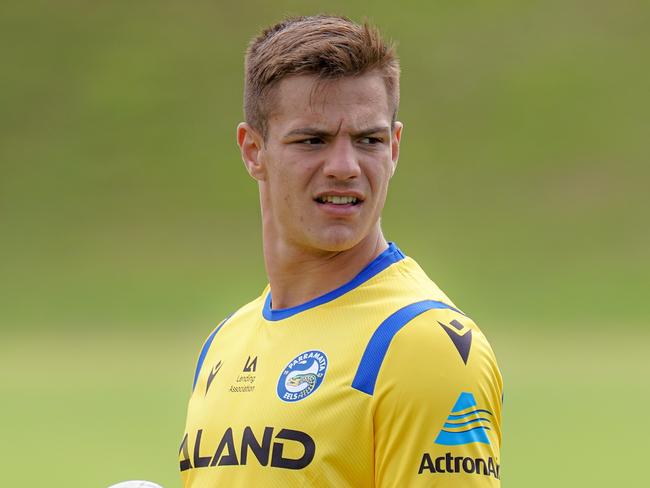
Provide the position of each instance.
(129, 228)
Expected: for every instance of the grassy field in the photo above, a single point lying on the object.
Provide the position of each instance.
(128, 226)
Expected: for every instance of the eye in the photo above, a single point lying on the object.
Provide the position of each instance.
(311, 141)
(370, 140)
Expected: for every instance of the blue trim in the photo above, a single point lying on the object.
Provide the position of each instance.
(373, 356)
(205, 349)
(390, 256)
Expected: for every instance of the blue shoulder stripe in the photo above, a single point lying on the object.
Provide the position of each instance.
(206, 348)
(373, 356)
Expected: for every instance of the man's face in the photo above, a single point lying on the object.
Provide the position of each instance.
(329, 154)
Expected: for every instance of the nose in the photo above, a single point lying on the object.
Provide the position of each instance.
(341, 161)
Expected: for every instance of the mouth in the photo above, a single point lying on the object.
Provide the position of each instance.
(338, 200)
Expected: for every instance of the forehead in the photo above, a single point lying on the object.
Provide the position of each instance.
(349, 103)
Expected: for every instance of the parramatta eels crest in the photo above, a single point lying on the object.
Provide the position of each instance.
(302, 376)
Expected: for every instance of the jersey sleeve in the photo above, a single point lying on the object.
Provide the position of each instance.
(437, 406)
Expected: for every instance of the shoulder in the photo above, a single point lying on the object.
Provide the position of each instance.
(422, 335)
(431, 360)
(245, 312)
(416, 322)
(408, 281)
(431, 323)
(237, 316)
(423, 342)
(241, 315)
(444, 330)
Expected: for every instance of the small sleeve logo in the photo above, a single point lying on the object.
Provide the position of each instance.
(461, 336)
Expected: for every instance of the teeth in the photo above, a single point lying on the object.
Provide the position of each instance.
(337, 200)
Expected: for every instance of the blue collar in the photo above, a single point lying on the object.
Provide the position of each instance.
(377, 265)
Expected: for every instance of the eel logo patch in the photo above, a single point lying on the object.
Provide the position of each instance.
(302, 376)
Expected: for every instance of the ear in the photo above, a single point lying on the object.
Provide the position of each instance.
(250, 145)
(396, 137)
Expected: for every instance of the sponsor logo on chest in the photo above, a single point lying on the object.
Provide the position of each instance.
(263, 448)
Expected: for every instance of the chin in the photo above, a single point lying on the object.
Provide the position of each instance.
(337, 240)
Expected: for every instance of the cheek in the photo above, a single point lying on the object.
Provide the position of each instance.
(288, 191)
(379, 176)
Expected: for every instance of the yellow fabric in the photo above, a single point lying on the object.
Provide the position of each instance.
(383, 439)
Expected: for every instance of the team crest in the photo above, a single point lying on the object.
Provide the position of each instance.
(302, 376)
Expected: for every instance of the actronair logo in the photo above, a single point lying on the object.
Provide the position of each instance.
(465, 424)
(459, 464)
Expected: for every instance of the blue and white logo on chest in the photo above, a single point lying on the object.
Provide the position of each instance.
(302, 376)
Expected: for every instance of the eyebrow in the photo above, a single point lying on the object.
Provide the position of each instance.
(312, 131)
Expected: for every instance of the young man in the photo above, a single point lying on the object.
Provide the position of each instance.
(352, 368)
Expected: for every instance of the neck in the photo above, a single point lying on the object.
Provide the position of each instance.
(298, 274)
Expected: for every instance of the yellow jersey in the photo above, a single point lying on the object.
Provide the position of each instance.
(382, 382)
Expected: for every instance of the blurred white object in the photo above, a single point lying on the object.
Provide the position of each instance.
(136, 484)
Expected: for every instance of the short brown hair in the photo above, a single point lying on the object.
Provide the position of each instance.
(329, 47)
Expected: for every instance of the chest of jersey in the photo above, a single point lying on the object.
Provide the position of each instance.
(273, 404)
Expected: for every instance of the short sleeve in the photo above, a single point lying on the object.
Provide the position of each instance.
(437, 406)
